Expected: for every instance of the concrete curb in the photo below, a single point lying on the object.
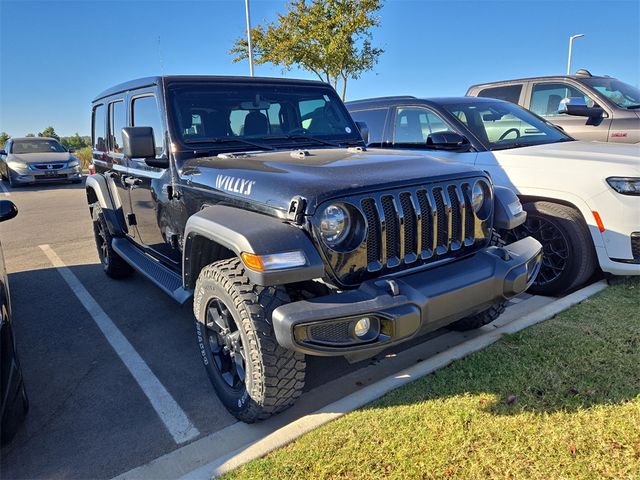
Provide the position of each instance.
(290, 432)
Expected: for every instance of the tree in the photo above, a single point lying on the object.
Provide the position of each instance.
(49, 132)
(29, 135)
(75, 141)
(331, 38)
(4, 136)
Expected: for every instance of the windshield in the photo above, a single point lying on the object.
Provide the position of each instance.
(620, 93)
(37, 146)
(230, 117)
(501, 125)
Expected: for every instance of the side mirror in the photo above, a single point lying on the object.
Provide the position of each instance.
(364, 131)
(139, 142)
(447, 141)
(72, 150)
(578, 107)
(3, 152)
(8, 210)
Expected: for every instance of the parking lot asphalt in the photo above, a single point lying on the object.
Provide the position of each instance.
(91, 390)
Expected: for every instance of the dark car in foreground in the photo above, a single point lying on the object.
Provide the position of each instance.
(258, 198)
(13, 395)
(38, 159)
(587, 107)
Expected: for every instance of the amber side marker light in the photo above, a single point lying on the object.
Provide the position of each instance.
(275, 261)
(596, 215)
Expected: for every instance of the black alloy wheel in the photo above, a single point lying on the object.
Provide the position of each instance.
(568, 255)
(225, 344)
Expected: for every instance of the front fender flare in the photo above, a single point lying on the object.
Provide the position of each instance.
(97, 188)
(251, 232)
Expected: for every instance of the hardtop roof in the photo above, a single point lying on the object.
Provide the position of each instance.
(157, 80)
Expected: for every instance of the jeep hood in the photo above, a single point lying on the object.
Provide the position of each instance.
(274, 178)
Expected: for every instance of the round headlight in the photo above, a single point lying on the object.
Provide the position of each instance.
(477, 197)
(334, 224)
(481, 200)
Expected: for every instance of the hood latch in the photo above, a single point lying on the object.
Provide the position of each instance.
(297, 206)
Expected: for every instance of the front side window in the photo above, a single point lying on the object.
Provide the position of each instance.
(508, 93)
(233, 117)
(99, 129)
(375, 120)
(502, 125)
(620, 93)
(546, 97)
(117, 121)
(413, 125)
(145, 113)
(35, 145)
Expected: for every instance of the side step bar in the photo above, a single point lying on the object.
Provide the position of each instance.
(168, 280)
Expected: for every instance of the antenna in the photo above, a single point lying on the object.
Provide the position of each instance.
(160, 56)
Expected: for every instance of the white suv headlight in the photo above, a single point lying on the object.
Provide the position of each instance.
(73, 163)
(625, 185)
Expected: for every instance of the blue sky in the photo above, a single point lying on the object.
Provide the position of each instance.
(55, 56)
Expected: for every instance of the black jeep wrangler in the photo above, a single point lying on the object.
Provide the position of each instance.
(258, 198)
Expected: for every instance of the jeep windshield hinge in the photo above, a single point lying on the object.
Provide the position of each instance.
(297, 206)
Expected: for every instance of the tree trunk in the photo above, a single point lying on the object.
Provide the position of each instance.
(344, 87)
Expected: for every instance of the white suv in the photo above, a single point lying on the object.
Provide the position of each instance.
(582, 198)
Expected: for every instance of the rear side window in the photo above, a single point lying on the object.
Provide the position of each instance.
(413, 126)
(145, 113)
(117, 121)
(509, 93)
(375, 120)
(99, 129)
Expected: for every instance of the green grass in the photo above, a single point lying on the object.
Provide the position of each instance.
(559, 400)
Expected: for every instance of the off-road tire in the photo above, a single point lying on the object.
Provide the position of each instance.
(112, 263)
(486, 316)
(581, 260)
(274, 376)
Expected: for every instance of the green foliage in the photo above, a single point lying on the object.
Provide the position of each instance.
(49, 132)
(75, 141)
(84, 155)
(4, 136)
(331, 38)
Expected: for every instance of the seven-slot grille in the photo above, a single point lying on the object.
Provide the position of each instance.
(420, 223)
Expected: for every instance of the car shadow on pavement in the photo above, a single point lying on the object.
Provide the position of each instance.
(44, 186)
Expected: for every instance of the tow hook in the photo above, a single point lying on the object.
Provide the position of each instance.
(393, 287)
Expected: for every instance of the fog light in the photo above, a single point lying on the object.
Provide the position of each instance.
(362, 327)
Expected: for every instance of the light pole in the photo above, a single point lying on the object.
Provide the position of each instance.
(571, 39)
(246, 7)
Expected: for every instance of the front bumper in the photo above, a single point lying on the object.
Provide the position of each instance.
(401, 307)
(31, 176)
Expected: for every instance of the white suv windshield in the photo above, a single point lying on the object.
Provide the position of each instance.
(620, 93)
(502, 125)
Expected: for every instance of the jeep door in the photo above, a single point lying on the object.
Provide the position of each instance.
(108, 118)
(149, 186)
(545, 98)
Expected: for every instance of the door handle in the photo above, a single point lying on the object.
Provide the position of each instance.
(132, 181)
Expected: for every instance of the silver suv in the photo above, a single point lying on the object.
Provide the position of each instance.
(585, 106)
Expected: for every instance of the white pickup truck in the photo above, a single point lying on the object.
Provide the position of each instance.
(582, 198)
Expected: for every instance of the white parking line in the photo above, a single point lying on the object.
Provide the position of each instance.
(4, 189)
(173, 417)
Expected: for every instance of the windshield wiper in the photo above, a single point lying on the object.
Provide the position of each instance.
(305, 137)
(230, 140)
(513, 145)
(632, 107)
